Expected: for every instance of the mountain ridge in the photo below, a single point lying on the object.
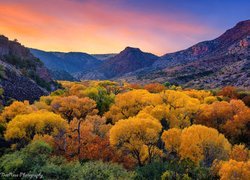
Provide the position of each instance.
(231, 47)
(132, 64)
(70, 62)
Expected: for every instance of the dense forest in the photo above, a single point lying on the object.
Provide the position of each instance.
(116, 130)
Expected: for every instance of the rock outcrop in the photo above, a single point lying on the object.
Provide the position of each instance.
(22, 76)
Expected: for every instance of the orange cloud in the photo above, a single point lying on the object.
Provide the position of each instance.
(93, 27)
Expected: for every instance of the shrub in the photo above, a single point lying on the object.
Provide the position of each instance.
(99, 170)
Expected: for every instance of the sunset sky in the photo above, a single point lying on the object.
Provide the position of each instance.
(108, 26)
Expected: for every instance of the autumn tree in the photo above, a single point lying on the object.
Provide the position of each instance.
(172, 140)
(130, 103)
(218, 113)
(93, 144)
(198, 94)
(197, 143)
(159, 112)
(214, 115)
(16, 108)
(76, 90)
(44, 103)
(137, 136)
(240, 153)
(182, 108)
(111, 87)
(237, 127)
(235, 170)
(135, 86)
(210, 99)
(101, 97)
(154, 87)
(77, 109)
(71, 107)
(23, 128)
(229, 92)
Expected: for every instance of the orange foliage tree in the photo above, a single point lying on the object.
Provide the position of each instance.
(229, 92)
(154, 87)
(77, 109)
(235, 170)
(237, 128)
(240, 153)
(218, 113)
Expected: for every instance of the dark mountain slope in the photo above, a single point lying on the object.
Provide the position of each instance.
(22, 76)
(71, 62)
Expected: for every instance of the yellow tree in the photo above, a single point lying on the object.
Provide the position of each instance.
(182, 108)
(198, 94)
(203, 144)
(15, 109)
(232, 169)
(44, 103)
(138, 136)
(130, 103)
(71, 107)
(210, 99)
(159, 112)
(172, 140)
(23, 128)
(76, 90)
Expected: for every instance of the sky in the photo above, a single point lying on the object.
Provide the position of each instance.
(108, 26)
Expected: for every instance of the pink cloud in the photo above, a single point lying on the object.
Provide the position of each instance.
(93, 27)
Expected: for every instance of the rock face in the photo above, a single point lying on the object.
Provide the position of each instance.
(210, 64)
(22, 76)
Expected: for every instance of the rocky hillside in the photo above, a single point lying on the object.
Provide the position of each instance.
(22, 76)
(210, 64)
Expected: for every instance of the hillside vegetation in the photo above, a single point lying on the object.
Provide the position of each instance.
(117, 130)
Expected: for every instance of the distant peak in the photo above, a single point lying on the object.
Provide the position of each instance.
(131, 49)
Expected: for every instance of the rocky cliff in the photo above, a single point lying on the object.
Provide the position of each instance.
(22, 76)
